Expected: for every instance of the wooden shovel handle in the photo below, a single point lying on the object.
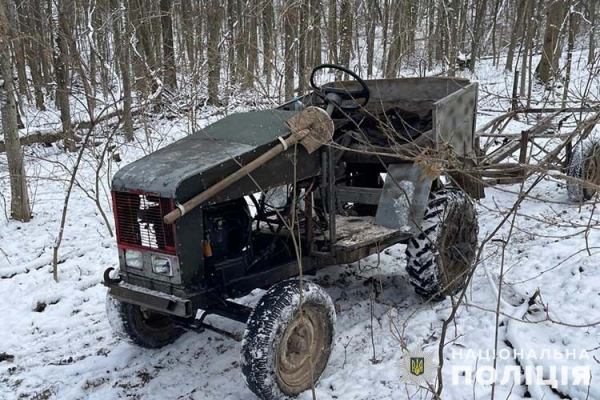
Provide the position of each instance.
(231, 179)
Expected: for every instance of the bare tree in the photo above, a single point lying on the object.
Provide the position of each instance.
(170, 73)
(61, 67)
(290, 19)
(551, 51)
(19, 206)
(592, 5)
(214, 58)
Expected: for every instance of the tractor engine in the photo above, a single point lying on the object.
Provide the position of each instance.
(227, 240)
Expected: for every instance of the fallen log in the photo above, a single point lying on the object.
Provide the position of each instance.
(42, 137)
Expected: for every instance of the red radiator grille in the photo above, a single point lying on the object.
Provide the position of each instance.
(139, 220)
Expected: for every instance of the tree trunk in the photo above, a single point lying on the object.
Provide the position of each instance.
(32, 46)
(551, 51)
(302, 44)
(371, 25)
(170, 73)
(477, 33)
(592, 5)
(530, 28)
(61, 68)
(290, 21)
(268, 39)
(122, 33)
(241, 43)
(315, 33)
(16, 19)
(516, 33)
(431, 41)
(187, 26)
(19, 205)
(384, 32)
(393, 61)
(332, 32)
(231, 40)
(570, 47)
(495, 53)
(345, 32)
(214, 57)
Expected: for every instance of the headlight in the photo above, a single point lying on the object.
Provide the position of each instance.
(162, 265)
(133, 259)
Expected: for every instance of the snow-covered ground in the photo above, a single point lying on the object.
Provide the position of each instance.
(62, 347)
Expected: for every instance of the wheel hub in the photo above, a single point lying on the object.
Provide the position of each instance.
(299, 351)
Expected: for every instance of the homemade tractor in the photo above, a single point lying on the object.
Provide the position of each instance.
(261, 198)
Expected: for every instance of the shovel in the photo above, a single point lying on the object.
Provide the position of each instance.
(312, 127)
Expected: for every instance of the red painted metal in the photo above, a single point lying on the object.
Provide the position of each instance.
(139, 222)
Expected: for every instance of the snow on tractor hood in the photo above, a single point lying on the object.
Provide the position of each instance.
(196, 162)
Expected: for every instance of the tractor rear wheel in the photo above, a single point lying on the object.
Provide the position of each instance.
(288, 340)
(140, 326)
(441, 256)
(585, 164)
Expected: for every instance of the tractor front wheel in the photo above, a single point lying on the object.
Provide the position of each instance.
(288, 340)
(140, 326)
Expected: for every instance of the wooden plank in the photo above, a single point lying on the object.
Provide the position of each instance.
(513, 145)
(347, 194)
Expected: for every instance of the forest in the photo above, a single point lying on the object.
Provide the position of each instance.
(90, 86)
(103, 58)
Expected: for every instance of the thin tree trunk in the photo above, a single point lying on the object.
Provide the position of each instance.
(267, 38)
(431, 42)
(214, 58)
(241, 44)
(16, 19)
(332, 31)
(61, 68)
(170, 73)
(548, 66)
(592, 4)
(231, 40)
(290, 21)
(32, 46)
(529, 31)
(187, 25)
(302, 44)
(385, 37)
(19, 205)
(345, 32)
(516, 33)
(252, 49)
(570, 47)
(122, 33)
(371, 24)
(495, 53)
(477, 33)
(392, 66)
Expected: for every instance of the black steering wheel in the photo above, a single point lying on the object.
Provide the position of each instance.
(337, 95)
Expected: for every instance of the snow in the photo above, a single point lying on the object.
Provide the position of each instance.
(64, 348)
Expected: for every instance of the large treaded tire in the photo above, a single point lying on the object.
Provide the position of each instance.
(271, 342)
(440, 257)
(584, 165)
(142, 328)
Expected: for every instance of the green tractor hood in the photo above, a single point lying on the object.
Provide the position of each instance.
(196, 162)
